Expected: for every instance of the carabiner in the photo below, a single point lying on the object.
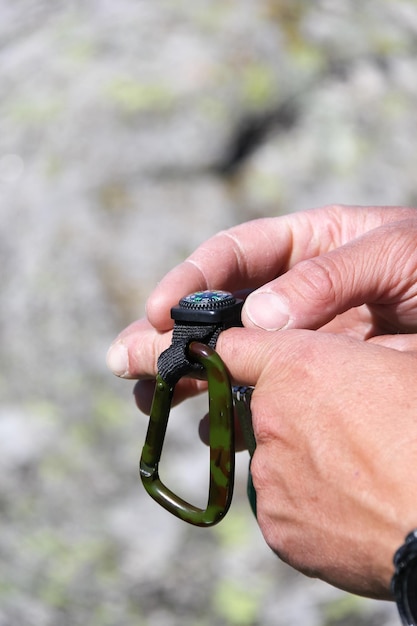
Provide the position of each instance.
(222, 450)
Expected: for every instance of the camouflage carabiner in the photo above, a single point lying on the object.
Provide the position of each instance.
(199, 319)
(222, 451)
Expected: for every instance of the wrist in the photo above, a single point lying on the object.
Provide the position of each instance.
(404, 581)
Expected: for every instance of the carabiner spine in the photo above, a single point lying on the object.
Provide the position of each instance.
(158, 422)
(221, 443)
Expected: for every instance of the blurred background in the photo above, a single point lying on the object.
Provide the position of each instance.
(131, 131)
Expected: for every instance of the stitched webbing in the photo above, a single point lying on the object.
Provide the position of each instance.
(174, 363)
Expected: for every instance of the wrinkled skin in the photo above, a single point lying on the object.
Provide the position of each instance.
(329, 341)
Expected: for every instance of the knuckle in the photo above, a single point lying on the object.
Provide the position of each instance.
(264, 426)
(316, 278)
(258, 471)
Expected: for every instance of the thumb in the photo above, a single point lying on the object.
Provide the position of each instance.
(372, 269)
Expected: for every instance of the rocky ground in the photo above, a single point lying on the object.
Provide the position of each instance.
(130, 131)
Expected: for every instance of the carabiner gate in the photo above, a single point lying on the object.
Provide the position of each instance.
(222, 449)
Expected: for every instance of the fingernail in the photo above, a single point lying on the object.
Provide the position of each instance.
(267, 310)
(117, 359)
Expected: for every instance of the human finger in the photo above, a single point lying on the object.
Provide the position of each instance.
(378, 269)
(135, 351)
(254, 253)
(402, 342)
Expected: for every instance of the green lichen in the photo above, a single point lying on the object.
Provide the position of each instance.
(131, 95)
(35, 111)
(258, 84)
(67, 562)
(344, 611)
(236, 604)
(235, 529)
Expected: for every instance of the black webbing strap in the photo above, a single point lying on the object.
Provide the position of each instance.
(174, 362)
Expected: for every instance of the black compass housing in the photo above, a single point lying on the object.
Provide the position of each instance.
(209, 307)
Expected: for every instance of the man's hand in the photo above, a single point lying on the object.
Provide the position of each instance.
(334, 412)
(307, 268)
(335, 469)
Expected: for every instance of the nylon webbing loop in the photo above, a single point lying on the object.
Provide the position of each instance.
(200, 316)
(174, 362)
